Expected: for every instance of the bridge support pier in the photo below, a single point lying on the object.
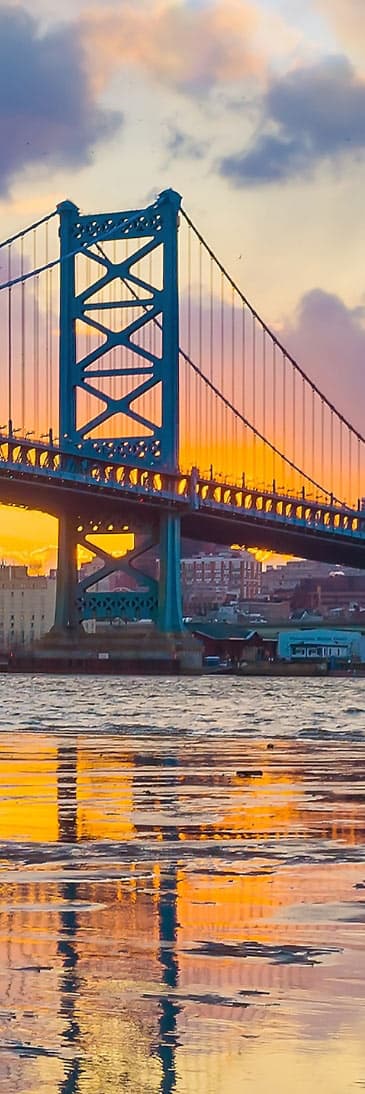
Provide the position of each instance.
(169, 594)
(153, 639)
(66, 613)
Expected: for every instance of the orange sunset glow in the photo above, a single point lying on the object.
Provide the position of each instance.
(182, 718)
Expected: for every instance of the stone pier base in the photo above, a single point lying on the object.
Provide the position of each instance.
(135, 648)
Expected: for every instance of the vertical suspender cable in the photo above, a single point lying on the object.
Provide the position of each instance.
(213, 424)
(331, 452)
(46, 333)
(322, 441)
(155, 409)
(274, 408)
(50, 312)
(10, 343)
(304, 394)
(264, 400)
(201, 440)
(125, 351)
(110, 381)
(223, 438)
(284, 403)
(341, 477)
(294, 416)
(114, 384)
(121, 355)
(36, 339)
(313, 432)
(254, 396)
(233, 363)
(190, 408)
(244, 453)
(22, 337)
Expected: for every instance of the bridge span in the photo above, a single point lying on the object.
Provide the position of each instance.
(141, 391)
(209, 509)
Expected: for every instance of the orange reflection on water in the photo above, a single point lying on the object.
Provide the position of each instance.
(104, 803)
(144, 861)
(28, 791)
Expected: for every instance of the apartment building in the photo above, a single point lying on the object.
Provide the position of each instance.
(209, 580)
(27, 606)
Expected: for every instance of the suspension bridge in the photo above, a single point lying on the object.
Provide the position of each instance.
(142, 392)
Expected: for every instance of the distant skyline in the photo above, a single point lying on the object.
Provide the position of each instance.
(253, 109)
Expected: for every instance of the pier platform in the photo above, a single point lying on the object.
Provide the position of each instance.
(135, 648)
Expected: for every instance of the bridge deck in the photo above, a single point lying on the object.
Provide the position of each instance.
(56, 481)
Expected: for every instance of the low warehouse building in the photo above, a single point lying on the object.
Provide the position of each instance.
(321, 644)
(232, 644)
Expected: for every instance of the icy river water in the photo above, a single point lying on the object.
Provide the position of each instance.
(182, 886)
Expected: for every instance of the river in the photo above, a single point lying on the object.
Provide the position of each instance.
(182, 885)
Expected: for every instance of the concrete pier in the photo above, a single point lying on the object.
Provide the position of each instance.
(134, 648)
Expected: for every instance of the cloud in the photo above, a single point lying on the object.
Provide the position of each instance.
(347, 19)
(48, 109)
(329, 341)
(190, 47)
(312, 114)
(180, 145)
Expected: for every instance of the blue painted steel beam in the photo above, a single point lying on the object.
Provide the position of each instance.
(150, 228)
(66, 614)
(170, 602)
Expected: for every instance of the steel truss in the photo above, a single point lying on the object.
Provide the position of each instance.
(144, 368)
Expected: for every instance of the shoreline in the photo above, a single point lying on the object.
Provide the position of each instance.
(155, 667)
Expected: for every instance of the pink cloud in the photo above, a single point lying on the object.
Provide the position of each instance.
(328, 339)
(190, 48)
(347, 19)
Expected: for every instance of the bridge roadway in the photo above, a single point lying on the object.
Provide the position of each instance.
(43, 477)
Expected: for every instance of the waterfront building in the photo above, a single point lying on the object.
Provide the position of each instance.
(321, 644)
(211, 580)
(27, 606)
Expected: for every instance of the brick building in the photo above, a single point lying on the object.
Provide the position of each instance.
(339, 591)
(281, 580)
(210, 580)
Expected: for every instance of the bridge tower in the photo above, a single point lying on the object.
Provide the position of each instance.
(119, 357)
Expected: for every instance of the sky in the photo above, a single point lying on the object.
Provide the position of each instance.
(254, 110)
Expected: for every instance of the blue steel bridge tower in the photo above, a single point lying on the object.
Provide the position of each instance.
(117, 308)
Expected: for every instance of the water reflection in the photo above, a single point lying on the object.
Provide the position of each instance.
(182, 912)
(168, 924)
(70, 987)
(169, 1009)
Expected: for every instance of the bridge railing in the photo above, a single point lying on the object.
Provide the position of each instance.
(23, 457)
